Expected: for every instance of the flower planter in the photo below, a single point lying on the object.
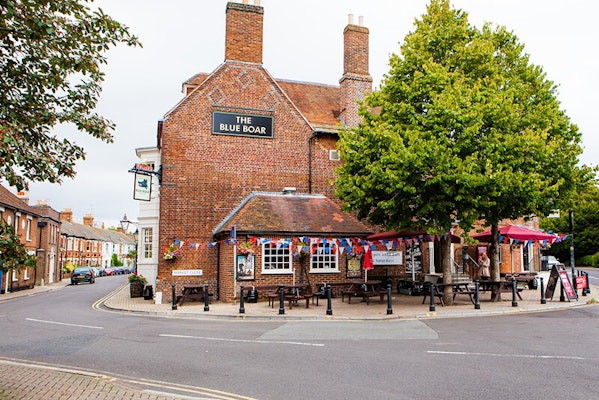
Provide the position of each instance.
(136, 289)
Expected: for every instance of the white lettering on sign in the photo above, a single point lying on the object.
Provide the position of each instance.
(243, 125)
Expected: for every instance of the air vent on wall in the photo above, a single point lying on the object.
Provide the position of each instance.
(334, 155)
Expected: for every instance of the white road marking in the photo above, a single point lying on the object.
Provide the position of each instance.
(63, 323)
(464, 353)
(241, 340)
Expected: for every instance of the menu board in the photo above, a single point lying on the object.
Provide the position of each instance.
(559, 273)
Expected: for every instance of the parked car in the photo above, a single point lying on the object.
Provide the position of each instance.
(109, 271)
(82, 274)
(547, 262)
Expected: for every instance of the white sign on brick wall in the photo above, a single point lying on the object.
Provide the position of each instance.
(188, 272)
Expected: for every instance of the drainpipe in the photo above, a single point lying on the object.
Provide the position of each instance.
(310, 144)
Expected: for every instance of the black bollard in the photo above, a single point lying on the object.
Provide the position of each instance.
(241, 301)
(329, 301)
(588, 288)
(514, 292)
(431, 306)
(543, 299)
(476, 293)
(174, 306)
(389, 307)
(281, 299)
(206, 298)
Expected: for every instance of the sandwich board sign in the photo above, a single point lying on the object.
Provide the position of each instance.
(559, 273)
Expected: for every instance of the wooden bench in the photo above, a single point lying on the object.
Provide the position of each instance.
(193, 293)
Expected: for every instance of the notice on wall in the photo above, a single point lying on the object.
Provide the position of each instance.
(242, 124)
(387, 258)
(188, 272)
(414, 258)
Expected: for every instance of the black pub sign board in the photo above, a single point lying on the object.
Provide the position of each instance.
(242, 124)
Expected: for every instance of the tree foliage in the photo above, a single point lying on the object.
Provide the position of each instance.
(463, 128)
(585, 210)
(13, 255)
(51, 52)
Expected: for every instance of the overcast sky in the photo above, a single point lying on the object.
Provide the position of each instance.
(302, 41)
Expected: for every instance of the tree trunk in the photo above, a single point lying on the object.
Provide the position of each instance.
(495, 270)
(446, 268)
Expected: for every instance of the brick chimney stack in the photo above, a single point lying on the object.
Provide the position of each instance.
(356, 81)
(66, 215)
(88, 220)
(244, 32)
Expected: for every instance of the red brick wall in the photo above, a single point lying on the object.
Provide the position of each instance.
(205, 176)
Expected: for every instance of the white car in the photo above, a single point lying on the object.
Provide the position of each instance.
(547, 262)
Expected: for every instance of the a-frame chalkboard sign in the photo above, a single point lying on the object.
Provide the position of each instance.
(559, 273)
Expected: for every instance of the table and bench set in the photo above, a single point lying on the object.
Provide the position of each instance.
(364, 290)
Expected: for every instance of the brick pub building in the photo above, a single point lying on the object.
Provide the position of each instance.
(226, 153)
(235, 141)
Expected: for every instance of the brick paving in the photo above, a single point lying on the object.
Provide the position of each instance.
(31, 382)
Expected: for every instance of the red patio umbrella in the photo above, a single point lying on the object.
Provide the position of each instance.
(368, 263)
(517, 233)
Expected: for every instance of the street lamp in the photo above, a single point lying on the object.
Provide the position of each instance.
(125, 223)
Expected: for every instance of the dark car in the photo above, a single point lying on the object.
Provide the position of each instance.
(82, 274)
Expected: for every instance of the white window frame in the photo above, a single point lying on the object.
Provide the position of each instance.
(323, 261)
(147, 242)
(282, 262)
(28, 230)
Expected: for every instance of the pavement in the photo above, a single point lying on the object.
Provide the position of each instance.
(25, 380)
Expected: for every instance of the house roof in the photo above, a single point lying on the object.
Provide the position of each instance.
(9, 199)
(92, 233)
(284, 214)
(318, 103)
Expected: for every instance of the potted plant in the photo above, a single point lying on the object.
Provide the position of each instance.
(171, 252)
(136, 285)
(245, 249)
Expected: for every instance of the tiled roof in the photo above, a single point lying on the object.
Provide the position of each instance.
(9, 199)
(281, 214)
(92, 233)
(318, 103)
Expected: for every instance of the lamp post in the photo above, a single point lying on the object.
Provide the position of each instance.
(124, 226)
(571, 218)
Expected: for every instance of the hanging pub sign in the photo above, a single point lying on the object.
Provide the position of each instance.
(242, 124)
(142, 184)
(143, 187)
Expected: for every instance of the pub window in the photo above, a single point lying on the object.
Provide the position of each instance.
(147, 237)
(275, 259)
(324, 258)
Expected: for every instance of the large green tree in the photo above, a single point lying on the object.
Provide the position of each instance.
(13, 255)
(463, 128)
(51, 52)
(585, 219)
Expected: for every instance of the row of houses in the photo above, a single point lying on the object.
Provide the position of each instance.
(55, 239)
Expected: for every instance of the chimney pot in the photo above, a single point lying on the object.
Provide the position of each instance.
(257, 2)
(350, 19)
(361, 20)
